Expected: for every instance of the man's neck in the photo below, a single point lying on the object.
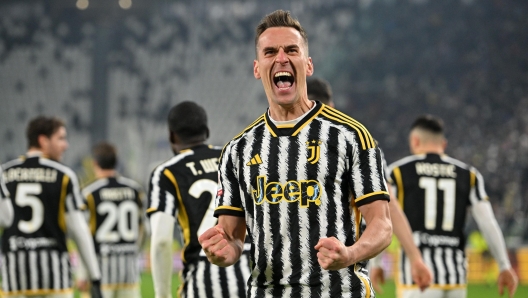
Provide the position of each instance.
(104, 173)
(185, 146)
(294, 111)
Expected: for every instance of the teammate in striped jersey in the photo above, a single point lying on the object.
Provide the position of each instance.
(300, 179)
(319, 89)
(116, 221)
(46, 203)
(435, 191)
(183, 188)
(6, 206)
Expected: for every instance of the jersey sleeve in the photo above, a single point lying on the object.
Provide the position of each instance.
(4, 193)
(367, 178)
(74, 199)
(6, 206)
(228, 200)
(477, 189)
(163, 192)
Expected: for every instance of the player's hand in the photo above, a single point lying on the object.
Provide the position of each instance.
(217, 247)
(82, 285)
(377, 277)
(421, 274)
(95, 289)
(508, 279)
(332, 254)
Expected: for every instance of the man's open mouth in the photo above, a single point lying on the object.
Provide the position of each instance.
(283, 79)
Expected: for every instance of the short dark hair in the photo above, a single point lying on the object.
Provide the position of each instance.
(105, 154)
(279, 18)
(188, 120)
(42, 125)
(319, 89)
(429, 123)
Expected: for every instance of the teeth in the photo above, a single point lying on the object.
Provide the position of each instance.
(283, 73)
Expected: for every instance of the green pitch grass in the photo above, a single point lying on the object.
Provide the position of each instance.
(389, 290)
(474, 291)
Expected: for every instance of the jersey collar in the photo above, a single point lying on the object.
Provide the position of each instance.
(293, 130)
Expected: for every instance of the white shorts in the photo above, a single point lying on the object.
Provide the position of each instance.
(127, 292)
(58, 295)
(432, 293)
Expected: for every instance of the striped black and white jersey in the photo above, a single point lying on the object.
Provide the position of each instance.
(35, 258)
(435, 192)
(296, 184)
(115, 208)
(184, 187)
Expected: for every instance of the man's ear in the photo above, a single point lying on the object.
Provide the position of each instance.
(310, 68)
(43, 142)
(172, 137)
(256, 72)
(414, 142)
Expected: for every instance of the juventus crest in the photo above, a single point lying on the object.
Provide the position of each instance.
(314, 150)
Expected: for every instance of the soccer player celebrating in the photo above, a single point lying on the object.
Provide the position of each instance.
(47, 203)
(184, 188)
(435, 191)
(300, 179)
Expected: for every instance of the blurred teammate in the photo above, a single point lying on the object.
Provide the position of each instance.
(299, 178)
(435, 191)
(319, 89)
(184, 188)
(6, 206)
(46, 199)
(116, 221)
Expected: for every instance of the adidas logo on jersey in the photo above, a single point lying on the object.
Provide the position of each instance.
(255, 160)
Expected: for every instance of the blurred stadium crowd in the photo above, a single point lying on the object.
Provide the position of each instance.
(113, 74)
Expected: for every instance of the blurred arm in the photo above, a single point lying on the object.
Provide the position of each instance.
(162, 226)
(6, 212)
(487, 223)
(80, 233)
(421, 274)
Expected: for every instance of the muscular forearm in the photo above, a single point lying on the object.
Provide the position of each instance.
(377, 236)
(375, 239)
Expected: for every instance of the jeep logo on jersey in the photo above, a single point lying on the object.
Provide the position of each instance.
(313, 147)
(304, 191)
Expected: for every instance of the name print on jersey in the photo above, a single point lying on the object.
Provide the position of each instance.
(209, 165)
(304, 191)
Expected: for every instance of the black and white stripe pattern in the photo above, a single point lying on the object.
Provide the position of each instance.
(205, 280)
(443, 250)
(119, 269)
(43, 271)
(448, 265)
(35, 256)
(285, 226)
(178, 188)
